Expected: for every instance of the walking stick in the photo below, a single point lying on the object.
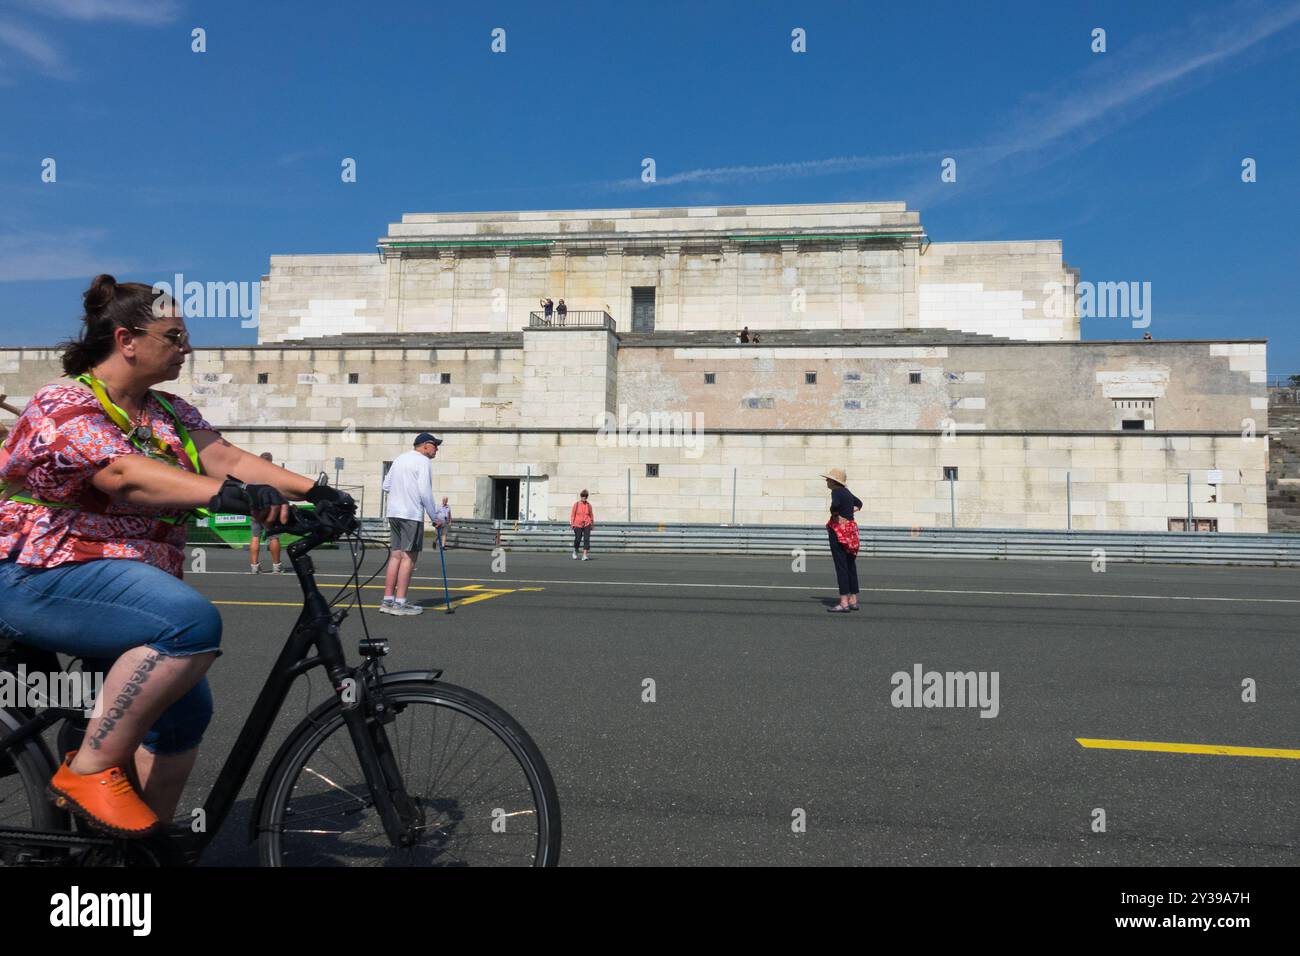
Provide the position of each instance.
(445, 590)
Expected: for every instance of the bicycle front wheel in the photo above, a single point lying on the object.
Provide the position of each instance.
(481, 789)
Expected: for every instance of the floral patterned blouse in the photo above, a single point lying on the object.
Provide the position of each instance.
(61, 440)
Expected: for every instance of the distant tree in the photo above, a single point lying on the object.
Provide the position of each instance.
(1294, 381)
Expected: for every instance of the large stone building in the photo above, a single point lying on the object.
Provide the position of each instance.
(903, 361)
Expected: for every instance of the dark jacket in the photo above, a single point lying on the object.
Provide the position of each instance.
(843, 502)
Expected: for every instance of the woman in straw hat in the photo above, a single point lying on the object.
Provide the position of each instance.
(842, 530)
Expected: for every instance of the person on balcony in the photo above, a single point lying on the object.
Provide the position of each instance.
(561, 311)
(547, 308)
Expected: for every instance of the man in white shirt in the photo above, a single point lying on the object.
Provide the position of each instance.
(409, 485)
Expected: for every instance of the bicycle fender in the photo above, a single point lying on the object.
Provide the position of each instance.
(322, 711)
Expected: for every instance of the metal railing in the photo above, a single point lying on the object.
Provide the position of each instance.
(571, 320)
(1267, 550)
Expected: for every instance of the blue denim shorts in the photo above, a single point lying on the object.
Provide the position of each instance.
(98, 610)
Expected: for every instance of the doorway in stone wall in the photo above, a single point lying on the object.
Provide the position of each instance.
(505, 498)
(643, 308)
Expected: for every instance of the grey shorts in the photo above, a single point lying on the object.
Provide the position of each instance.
(406, 535)
(257, 531)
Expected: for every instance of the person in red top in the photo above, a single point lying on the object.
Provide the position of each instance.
(97, 478)
(581, 519)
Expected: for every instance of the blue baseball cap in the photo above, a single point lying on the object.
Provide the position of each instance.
(423, 437)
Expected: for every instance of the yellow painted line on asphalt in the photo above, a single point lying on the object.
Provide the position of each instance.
(477, 593)
(1213, 749)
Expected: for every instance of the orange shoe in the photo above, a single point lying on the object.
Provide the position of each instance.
(106, 800)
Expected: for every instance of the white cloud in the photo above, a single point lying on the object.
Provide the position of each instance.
(74, 254)
(34, 48)
(1115, 90)
(149, 12)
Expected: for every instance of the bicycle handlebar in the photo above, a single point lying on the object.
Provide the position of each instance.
(326, 522)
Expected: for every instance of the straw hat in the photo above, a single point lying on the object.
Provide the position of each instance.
(836, 475)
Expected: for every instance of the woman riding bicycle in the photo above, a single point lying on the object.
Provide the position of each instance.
(97, 478)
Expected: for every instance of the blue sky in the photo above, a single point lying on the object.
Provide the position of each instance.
(207, 164)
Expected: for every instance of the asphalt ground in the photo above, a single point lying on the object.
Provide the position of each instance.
(765, 705)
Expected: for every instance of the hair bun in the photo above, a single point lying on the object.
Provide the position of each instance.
(101, 292)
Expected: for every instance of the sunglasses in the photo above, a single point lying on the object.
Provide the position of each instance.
(177, 337)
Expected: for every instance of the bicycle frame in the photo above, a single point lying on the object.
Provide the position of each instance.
(316, 627)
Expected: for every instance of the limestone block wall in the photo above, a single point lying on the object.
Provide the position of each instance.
(311, 387)
(1197, 386)
(1119, 482)
(570, 376)
(711, 268)
(309, 296)
(995, 288)
(567, 378)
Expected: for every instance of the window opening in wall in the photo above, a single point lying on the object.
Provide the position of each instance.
(852, 403)
(758, 403)
(353, 378)
(652, 471)
(810, 378)
(949, 472)
(852, 376)
(445, 378)
(710, 378)
(643, 308)
(263, 378)
(1198, 524)
(1133, 425)
(913, 378)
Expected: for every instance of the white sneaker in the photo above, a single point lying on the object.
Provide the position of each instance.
(254, 569)
(575, 556)
(277, 569)
(407, 610)
(386, 606)
(586, 557)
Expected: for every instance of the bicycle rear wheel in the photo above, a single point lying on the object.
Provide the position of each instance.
(481, 786)
(24, 772)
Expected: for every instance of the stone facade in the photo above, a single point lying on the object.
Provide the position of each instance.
(910, 359)
(849, 266)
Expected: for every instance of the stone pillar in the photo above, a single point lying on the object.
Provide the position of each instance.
(614, 287)
(729, 288)
(559, 273)
(910, 305)
(670, 286)
(790, 282)
(393, 294)
(445, 293)
(501, 279)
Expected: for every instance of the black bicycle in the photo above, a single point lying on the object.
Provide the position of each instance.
(395, 769)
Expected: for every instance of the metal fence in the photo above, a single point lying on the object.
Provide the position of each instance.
(1268, 550)
(571, 320)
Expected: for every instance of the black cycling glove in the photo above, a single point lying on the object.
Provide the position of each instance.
(237, 498)
(324, 494)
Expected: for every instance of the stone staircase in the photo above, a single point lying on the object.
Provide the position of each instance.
(1283, 463)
